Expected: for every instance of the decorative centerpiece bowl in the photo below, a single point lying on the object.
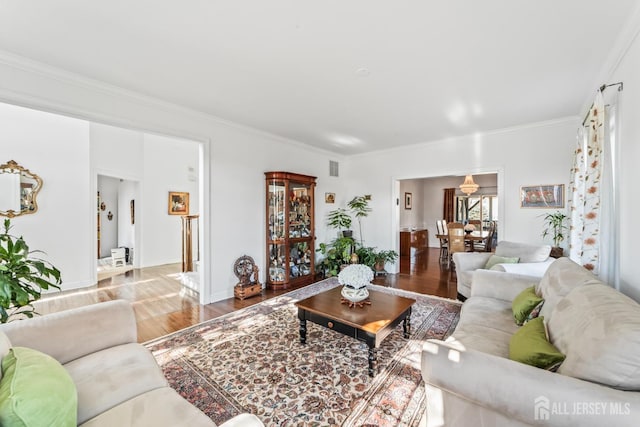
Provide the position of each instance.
(355, 279)
(469, 228)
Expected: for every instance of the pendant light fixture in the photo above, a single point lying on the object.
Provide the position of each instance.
(468, 186)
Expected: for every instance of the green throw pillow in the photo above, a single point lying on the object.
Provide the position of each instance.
(495, 259)
(36, 391)
(524, 303)
(530, 345)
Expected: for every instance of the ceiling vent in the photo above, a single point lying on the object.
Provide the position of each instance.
(333, 168)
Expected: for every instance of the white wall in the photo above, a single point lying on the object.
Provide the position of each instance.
(56, 148)
(127, 191)
(169, 164)
(108, 188)
(628, 71)
(535, 154)
(414, 217)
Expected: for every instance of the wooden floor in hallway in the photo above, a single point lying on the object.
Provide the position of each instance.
(162, 305)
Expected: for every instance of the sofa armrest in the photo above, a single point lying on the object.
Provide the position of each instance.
(243, 420)
(70, 334)
(520, 391)
(499, 285)
(468, 261)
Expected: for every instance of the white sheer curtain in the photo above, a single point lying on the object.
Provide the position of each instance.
(593, 238)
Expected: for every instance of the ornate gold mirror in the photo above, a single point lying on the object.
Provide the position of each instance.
(18, 190)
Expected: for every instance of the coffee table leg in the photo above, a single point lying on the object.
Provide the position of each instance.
(303, 331)
(373, 362)
(406, 324)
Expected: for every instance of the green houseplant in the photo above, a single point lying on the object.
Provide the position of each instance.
(340, 220)
(22, 277)
(384, 257)
(359, 205)
(335, 254)
(554, 226)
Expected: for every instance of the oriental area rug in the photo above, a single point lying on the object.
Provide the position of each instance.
(252, 361)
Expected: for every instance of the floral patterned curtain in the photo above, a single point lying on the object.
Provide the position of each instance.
(585, 188)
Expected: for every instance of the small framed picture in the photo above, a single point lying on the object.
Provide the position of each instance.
(178, 203)
(408, 200)
(542, 196)
(329, 197)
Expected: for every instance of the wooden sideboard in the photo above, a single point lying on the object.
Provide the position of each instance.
(416, 240)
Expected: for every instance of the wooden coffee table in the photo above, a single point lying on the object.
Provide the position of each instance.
(371, 323)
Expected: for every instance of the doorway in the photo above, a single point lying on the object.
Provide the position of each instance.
(427, 202)
(116, 236)
(136, 174)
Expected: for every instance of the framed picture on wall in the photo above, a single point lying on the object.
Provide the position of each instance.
(329, 197)
(542, 196)
(408, 200)
(178, 203)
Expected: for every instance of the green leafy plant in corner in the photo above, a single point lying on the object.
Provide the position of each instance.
(339, 219)
(371, 257)
(554, 226)
(335, 254)
(22, 277)
(359, 205)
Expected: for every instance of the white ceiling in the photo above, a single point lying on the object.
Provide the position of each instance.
(348, 76)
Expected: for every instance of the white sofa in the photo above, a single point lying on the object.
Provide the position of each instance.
(534, 261)
(118, 381)
(471, 381)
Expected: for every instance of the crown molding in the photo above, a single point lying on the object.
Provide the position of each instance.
(30, 66)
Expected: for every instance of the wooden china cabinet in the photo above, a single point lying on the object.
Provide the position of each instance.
(290, 229)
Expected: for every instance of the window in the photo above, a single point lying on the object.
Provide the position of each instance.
(482, 207)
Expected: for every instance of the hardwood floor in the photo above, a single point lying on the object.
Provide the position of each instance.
(162, 305)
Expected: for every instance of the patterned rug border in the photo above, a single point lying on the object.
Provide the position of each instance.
(329, 281)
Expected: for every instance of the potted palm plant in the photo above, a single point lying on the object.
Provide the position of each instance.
(554, 226)
(22, 277)
(359, 205)
(340, 220)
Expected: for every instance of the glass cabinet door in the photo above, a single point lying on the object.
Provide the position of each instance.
(277, 257)
(276, 210)
(299, 211)
(299, 259)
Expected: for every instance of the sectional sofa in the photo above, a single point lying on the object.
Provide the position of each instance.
(470, 379)
(84, 366)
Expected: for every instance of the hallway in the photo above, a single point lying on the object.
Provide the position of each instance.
(162, 305)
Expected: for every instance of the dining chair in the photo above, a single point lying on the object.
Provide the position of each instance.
(487, 244)
(456, 239)
(444, 241)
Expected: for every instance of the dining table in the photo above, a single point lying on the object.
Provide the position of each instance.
(471, 238)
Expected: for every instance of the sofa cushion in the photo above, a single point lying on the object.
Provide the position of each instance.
(486, 324)
(530, 345)
(562, 276)
(526, 252)
(524, 303)
(159, 407)
(495, 259)
(598, 329)
(36, 391)
(109, 377)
